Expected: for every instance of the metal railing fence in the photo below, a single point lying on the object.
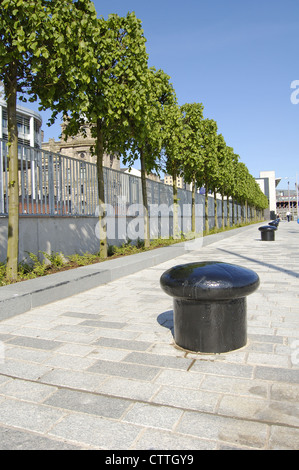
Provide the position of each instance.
(56, 185)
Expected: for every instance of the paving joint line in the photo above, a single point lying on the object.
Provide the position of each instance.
(144, 402)
(23, 296)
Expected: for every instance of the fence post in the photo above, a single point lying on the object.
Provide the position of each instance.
(51, 184)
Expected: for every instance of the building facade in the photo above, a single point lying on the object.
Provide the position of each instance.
(268, 183)
(168, 180)
(29, 125)
(78, 147)
(287, 201)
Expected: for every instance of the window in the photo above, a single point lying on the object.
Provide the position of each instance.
(23, 124)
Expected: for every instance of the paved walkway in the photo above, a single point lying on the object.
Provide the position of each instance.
(99, 370)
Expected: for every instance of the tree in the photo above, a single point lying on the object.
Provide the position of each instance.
(173, 164)
(149, 132)
(226, 179)
(113, 95)
(234, 186)
(222, 175)
(242, 175)
(207, 169)
(38, 39)
(191, 143)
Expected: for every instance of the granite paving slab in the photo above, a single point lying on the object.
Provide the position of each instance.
(98, 368)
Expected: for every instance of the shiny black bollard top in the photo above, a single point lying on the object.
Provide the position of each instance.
(274, 223)
(209, 305)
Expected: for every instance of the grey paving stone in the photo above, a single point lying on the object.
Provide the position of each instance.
(29, 416)
(157, 440)
(26, 390)
(158, 360)
(285, 392)
(262, 410)
(179, 378)
(235, 386)
(229, 430)
(103, 324)
(84, 402)
(63, 361)
(128, 388)
(265, 338)
(277, 374)
(23, 370)
(222, 368)
(12, 439)
(35, 343)
(122, 369)
(267, 359)
(123, 344)
(27, 354)
(246, 399)
(187, 399)
(74, 379)
(95, 431)
(4, 338)
(284, 438)
(161, 417)
(89, 316)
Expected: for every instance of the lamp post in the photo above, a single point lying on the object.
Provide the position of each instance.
(289, 196)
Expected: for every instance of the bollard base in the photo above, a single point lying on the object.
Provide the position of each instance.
(268, 236)
(210, 327)
(268, 233)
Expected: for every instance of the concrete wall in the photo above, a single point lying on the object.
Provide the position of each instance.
(70, 235)
(63, 234)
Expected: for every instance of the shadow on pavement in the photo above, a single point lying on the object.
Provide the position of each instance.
(262, 263)
(166, 319)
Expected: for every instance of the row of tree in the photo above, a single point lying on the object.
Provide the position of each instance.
(91, 69)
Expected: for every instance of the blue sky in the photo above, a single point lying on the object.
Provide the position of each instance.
(238, 58)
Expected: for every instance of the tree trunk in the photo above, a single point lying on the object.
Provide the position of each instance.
(228, 212)
(101, 192)
(176, 233)
(13, 183)
(233, 212)
(222, 212)
(215, 210)
(193, 224)
(207, 210)
(145, 204)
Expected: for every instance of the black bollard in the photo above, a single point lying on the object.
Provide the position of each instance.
(210, 312)
(274, 223)
(268, 233)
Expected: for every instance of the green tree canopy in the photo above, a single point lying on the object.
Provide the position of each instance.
(113, 96)
(42, 53)
(149, 133)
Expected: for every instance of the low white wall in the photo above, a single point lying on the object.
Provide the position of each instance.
(50, 234)
(70, 235)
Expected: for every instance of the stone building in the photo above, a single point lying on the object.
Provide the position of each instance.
(180, 182)
(78, 147)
